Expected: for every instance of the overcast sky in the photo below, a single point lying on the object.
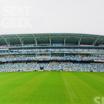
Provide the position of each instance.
(55, 16)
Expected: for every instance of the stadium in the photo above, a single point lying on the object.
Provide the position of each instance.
(68, 52)
(51, 68)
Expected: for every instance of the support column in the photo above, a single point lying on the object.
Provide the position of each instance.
(20, 39)
(35, 40)
(64, 42)
(79, 41)
(50, 41)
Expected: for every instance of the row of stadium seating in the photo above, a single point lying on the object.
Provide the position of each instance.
(66, 66)
(48, 51)
(70, 57)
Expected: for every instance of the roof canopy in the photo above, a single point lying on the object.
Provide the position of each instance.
(51, 38)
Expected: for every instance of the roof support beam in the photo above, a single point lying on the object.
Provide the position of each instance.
(79, 41)
(20, 39)
(5, 39)
(95, 41)
(35, 40)
(50, 42)
(68, 38)
(64, 41)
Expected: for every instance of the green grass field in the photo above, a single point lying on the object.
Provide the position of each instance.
(50, 87)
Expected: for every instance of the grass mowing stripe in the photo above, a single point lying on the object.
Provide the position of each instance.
(79, 89)
(52, 90)
(74, 94)
(13, 81)
(9, 85)
(68, 87)
(96, 82)
(22, 93)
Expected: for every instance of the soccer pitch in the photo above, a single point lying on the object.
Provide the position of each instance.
(51, 87)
